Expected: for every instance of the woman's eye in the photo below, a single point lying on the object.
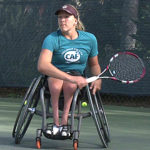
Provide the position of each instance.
(66, 16)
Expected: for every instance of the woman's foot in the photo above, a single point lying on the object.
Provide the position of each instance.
(59, 130)
(55, 130)
(64, 130)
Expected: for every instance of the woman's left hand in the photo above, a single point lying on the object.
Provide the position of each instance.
(95, 86)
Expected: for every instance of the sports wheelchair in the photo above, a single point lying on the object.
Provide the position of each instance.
(38, 94)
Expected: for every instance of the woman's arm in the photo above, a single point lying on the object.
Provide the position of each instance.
(47, 68)
(95, 70)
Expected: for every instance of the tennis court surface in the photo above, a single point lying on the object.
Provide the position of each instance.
(129, 128)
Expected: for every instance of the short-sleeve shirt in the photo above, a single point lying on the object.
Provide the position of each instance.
(68, 54)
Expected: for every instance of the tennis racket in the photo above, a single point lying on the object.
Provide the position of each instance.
(125, 67)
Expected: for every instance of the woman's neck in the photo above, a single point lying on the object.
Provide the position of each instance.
(72, 35)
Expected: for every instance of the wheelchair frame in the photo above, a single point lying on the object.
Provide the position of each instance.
(37, 91)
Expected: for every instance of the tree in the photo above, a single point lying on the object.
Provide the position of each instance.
(128, 25)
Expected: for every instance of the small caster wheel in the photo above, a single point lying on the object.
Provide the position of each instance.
(38, 143)
(75, 144)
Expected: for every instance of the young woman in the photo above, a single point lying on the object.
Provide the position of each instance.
(64, 56)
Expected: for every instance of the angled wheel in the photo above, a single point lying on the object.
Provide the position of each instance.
(22, 105)
(99, 117)
(25, 113)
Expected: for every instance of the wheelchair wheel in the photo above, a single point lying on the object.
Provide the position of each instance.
(102, 117)
(75, 144)
(24, 115)
(22, 105)
(38, 143)
(99, 118)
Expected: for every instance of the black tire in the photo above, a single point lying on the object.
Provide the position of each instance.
(22, 105)
(99, 118)
(102, 117)
(24, 116)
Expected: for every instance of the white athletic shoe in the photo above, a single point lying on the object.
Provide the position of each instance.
(64, 131)
(55, 129)
(49, 132)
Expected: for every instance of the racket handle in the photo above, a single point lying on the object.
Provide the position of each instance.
(91, 79)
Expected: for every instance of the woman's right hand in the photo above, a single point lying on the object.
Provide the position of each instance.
(80, 81)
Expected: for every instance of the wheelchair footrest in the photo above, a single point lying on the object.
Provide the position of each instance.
(56, 137)
(48, 133)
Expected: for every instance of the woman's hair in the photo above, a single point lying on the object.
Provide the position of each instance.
(80, 25)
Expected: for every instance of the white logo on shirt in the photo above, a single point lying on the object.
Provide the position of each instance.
(72, 55)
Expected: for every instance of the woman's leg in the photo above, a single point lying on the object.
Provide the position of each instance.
(68, 90)
(55, 87)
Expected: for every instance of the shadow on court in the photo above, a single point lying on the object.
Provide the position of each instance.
(129, 128)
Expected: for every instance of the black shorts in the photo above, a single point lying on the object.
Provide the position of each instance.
(74, 73)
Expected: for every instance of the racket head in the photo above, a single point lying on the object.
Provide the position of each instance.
(126, 67)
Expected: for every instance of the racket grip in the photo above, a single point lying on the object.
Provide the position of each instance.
(91, 79)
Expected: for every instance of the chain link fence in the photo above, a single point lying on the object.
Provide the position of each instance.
(24, 24)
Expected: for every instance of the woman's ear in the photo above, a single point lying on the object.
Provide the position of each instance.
(76, 21)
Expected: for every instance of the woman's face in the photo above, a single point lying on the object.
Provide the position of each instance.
(66, 21)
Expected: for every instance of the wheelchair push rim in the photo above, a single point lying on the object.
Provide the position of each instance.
(99, 118)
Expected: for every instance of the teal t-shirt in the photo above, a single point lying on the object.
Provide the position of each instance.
(71, 54)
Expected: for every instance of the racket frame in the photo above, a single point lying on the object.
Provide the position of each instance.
(94, 78)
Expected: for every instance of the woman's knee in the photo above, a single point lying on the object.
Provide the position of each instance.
(69, 87)
(55, 85)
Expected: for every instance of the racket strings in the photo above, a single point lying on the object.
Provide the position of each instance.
(126, 67)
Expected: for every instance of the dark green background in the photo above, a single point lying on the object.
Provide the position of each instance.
(25, 23)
